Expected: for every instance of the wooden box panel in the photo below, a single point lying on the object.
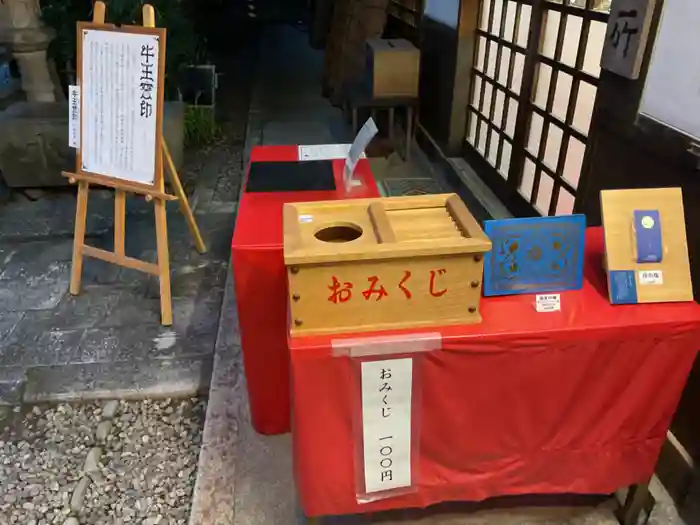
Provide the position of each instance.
(393, 68)
(375, 264)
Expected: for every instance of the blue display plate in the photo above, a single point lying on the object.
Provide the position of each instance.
(534, 255)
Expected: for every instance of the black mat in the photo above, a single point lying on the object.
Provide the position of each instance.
(291, 176)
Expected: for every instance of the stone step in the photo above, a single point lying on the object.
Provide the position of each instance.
(137, 379)
(12, 385)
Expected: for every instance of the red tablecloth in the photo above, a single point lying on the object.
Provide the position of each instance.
(577, 401)
(261, 286)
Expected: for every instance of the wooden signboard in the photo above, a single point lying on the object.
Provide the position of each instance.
(380, 264)
(121, 71)
(626, 37)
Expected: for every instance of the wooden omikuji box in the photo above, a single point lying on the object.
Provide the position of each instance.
(375, 264)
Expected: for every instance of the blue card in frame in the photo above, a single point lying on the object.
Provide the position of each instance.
(534, 255)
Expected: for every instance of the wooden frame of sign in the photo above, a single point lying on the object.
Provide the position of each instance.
(128, 167)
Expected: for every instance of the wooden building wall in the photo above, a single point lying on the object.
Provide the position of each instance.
(626, 154)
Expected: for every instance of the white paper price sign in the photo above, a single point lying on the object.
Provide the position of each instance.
(73, 116)
(548, 302)
(325, 152)
(364, 137)
(386, 423)
(650, 277)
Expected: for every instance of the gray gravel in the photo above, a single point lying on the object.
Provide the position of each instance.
(143, 471)
(41, 456)
(148, 466)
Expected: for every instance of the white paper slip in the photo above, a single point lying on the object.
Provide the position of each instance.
(325, 152)
(74, 116)
(386, 423)
(306, 218)
(548, 302)
(359, 145)
(650, 277)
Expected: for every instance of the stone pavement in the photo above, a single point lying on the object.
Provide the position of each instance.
(108, 341)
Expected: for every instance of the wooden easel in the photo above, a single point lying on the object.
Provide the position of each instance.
(156, 193)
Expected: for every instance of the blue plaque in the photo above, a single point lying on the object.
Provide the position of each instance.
(534, 255)
(623, 287)
(647, 233)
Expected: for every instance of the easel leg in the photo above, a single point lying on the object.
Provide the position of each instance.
(409, 133)
(184, 203)
(166, 307)
(119, 223)
(79, 237)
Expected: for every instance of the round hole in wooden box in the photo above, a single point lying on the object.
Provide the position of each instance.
(339, 232)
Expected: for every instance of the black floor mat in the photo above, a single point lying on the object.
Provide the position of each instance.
(291, 176)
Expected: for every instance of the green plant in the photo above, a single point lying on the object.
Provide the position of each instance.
(201, 127)
(61, 16)
(184, 46)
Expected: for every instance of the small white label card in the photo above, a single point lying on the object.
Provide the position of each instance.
(650, 277)
(548, 302)
(386, 423)
(362, 140)
(325, 152)
(74, 116)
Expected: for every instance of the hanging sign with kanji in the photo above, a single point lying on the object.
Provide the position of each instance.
(626, 37)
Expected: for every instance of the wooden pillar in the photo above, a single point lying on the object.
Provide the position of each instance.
(448, 41)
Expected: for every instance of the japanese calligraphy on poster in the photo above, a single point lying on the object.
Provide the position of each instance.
(386, 424)
(626, 37)
(73, 116)
(121, 97)
(672, 91)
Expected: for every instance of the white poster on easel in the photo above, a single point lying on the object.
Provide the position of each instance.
(672, 91)
(119, 91)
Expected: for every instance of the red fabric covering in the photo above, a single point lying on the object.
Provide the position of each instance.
(524, 403)
(261, 286)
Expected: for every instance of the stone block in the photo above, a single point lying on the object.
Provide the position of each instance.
(132, 379)
(174, 131)
(34, 145)
(12, 382)
(34, 142)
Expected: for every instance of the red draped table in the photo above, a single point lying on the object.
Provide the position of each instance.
(577, 401)
(261, 283)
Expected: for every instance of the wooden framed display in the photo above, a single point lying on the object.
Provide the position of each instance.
(375, 264)
(121, 73)
(646, 250)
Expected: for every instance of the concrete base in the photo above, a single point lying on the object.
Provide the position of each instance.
(34, 142)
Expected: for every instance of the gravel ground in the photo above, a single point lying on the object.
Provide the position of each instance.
(41, 456)
(137, 465)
